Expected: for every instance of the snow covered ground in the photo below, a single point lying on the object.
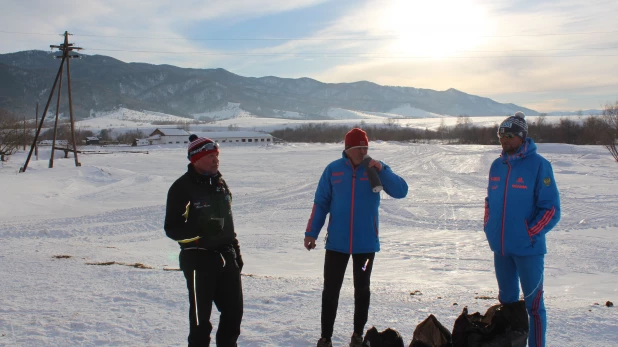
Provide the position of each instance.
(122, 119)
(55, 222)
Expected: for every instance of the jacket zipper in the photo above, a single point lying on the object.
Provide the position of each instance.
(506, 187)
(352, 209)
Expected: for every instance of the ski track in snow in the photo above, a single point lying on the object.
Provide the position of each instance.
(432, 242)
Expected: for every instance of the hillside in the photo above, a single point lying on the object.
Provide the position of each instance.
(101, 83)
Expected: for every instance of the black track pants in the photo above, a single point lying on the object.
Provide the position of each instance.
(224, 288)
(335, 264)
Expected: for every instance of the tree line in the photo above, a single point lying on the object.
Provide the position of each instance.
(591, 130)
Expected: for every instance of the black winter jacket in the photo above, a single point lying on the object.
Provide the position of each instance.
(199, 217)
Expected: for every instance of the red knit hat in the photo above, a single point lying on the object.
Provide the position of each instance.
(200, 147)
(356, 138)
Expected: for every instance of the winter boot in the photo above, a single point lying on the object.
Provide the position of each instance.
(325, 342)
(356, 340)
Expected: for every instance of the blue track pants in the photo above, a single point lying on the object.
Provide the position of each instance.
(528, 270)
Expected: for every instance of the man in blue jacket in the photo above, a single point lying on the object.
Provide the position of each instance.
(522, 205)
(345, 192)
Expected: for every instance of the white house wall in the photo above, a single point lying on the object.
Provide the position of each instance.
(245, 141)
(168, 140)
(184, 140)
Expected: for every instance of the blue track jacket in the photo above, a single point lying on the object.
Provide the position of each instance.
(345, 193)
(522, 202)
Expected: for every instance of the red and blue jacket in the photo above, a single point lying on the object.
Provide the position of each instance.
(522, 202)
(345, 193)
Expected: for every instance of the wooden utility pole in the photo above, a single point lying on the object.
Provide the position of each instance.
(36, 122)
(24, 133)
(66, 48)
(51, 157)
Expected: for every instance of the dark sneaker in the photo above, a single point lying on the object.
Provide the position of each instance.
(325, 342)
(356, 340)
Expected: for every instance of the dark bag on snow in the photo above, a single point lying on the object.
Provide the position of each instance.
(387, 338)
(430, 333)
(501, 326)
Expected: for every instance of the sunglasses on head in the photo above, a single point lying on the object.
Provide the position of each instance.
(209, 146)
(507, 135)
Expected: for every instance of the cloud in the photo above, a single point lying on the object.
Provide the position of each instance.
(538, 53)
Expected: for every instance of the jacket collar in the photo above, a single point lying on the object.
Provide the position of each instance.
(202, 178)
(527, 148)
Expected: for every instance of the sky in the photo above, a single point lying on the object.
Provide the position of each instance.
(58, 225)
(545, 55)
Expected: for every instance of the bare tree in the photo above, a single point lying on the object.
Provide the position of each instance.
(183, 125)
(130, 136)
(11, 134)
(462, 130)
(105, 134)
(391, 122)
(610, 116)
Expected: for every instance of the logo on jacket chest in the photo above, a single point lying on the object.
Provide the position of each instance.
(200, 204)
(519, 184)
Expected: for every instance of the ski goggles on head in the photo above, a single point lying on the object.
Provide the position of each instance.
(208, 146)
(507, 135)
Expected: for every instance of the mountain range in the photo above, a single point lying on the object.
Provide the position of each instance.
(101, 83)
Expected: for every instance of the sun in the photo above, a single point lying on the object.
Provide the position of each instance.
(433, 29)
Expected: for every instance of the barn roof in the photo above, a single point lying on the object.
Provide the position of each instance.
(171, 132)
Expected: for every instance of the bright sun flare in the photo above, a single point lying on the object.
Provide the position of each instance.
(436, 29)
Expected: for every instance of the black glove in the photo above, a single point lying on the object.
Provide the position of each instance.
(239, 261)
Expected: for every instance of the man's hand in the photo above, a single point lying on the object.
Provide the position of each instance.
(375, 163)
(309, 243)
(239, 261)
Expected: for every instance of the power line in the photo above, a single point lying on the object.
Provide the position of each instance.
(383, 38)
(346, 55)
(379, 55)
(23, 33)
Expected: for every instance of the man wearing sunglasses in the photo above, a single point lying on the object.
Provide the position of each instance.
(521, 206)
(199, 217)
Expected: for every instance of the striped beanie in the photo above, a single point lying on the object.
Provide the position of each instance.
(515, 124)
(200, 147)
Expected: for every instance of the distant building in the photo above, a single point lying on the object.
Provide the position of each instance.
(92, 140)
(238, 137)
(168, 136)
(179, 136)
(59, 143)
(141, 142)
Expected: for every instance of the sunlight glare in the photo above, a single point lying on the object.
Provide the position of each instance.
(436, 29)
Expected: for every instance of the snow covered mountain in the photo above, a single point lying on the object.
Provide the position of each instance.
(101, 83)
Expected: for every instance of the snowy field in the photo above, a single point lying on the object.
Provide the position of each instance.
(122, 119)
(56, 223)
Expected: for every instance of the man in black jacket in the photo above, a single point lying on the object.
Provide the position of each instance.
(199, 217)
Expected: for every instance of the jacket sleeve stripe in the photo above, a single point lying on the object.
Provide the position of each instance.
(543, 222)
(188, 240)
